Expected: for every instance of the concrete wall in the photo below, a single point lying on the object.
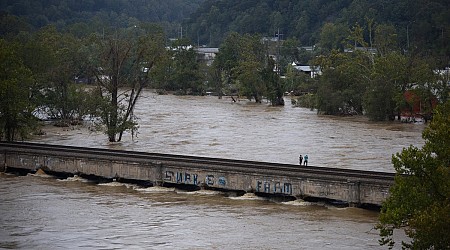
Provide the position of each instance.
(223, 177)
(350, 191)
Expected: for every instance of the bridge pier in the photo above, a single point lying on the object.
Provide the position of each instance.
(3, 162)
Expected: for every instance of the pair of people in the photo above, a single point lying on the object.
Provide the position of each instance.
(303, 160)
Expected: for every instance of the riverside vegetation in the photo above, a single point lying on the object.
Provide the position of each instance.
(74, 60)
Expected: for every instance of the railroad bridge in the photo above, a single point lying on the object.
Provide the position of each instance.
(353, 187)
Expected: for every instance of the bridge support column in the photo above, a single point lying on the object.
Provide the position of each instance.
(158, 183)
(158, 178)
(3, 162)
(354, 196)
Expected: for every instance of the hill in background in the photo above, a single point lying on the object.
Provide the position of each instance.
(419, 24)
(84, 16)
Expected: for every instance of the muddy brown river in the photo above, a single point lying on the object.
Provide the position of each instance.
(207, 126)
(42, 212)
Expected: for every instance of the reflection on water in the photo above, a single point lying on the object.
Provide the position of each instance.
(207, 126)
(45, 213)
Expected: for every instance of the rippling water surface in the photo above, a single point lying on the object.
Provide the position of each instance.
(41, 212)
(45, 213)
(207, 126)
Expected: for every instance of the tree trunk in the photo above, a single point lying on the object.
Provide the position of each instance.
(279, 101)
(258, 98)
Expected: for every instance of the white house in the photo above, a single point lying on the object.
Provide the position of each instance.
(307, 69)
(207, 54)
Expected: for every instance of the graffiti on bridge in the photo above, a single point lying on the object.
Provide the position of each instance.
(193, 178)
(181, 178)
(270, 187)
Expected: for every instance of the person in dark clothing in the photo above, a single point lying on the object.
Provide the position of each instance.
(300, 159)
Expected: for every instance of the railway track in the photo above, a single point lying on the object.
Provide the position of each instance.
(206, 161)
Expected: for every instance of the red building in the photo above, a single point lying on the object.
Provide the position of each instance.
(418, 108)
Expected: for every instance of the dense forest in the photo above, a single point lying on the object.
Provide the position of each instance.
(419, 24)
(84, 16)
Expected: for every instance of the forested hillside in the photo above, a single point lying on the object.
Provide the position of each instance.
(419, 24)
(85, 15)
(367, 55)
(422, 24)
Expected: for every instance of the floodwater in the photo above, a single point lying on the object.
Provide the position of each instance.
(39, 212)
(207, 126)
(42, 212)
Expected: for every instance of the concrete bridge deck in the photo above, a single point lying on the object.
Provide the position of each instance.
(355, 187)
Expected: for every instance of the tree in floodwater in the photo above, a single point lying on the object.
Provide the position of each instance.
(16, 105)
(55, 60)
(344, 79)
(179, 70)
(243, 64)
(419, 200)
(252, 75)
(275, 87)
(121, 63)
(225, 63)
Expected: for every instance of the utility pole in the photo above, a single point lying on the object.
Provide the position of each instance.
(278, 35)
(407, 33)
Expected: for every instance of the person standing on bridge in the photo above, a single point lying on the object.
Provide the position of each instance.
(300, 159)
(306, 160)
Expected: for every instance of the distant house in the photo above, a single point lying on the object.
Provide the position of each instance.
(443, 74)
(312, 71)
(309, 48)
(373, 51)
(207, 54)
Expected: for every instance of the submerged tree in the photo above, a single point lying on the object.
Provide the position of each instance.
(180, 70)
(243, 61)
(55, 60)
(16, 106)
(344, 79)
(250, 68)
(225, 63)
(419, 200)
(122, 65)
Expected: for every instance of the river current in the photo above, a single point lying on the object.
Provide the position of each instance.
(42, 212)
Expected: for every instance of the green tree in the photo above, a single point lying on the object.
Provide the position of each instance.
(11, 26)
(385, 39)
(226, 62)
(384, 94)
(356, 37)
(185, 69)
(243, 61)
(297, 82)
(288, 52)
(345, 77)
(332, 36)
(63, 99)
(122, 63)
(16, 106)
(419, 200)
(253, 62)
(275, 87)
